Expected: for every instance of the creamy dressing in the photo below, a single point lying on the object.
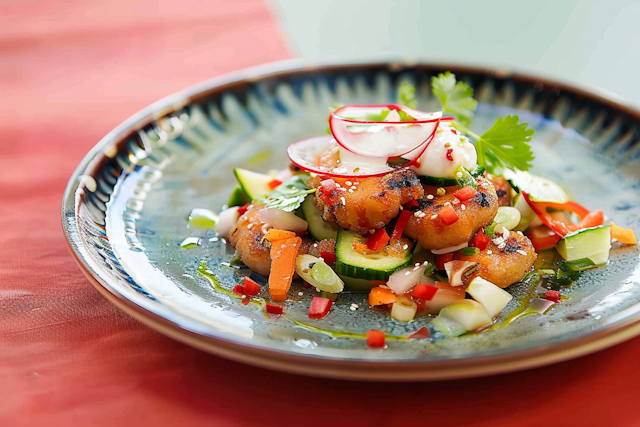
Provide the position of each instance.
(445, 153)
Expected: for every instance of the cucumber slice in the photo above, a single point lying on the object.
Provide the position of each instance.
(318, 228)
(538, 188)
(357, 286)
(467, 313)
(351, 263)
(237, 197)
(449, 182)
(493, 298)
(254, 184)
(318, 273)
(593, 243)
(448, 327)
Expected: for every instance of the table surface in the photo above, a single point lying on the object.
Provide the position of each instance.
(70, 73)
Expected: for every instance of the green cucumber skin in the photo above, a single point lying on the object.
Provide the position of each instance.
(364, 269)
(238, 197)
(318, 228)
(593, 243)
(449, 182)
(253, 184)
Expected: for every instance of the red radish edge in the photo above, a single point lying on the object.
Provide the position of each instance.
(390, 107)
(311, 167)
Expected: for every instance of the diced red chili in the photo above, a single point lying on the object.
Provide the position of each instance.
(442, 259)
(242, 209)
(238, 289)
(424, 292)
(450, 154)
(328, 257)
(251, 287)
(552, 296)
(403, 219)
(376, 339)
(378, 282)
(480, 240)
(327, 187)
(411, 204)
(542, 237)
(246, 300)
(274, 309)
(273, 184)
(421, 334)
(378, 240)
(448, 215)
(319, 307)
(465, 193)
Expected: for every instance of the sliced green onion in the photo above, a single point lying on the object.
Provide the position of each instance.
(465, 179)
(489, 229)
(190, 243)
(469, 251)
(428, 269)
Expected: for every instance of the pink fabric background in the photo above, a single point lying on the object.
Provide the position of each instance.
(69, 72)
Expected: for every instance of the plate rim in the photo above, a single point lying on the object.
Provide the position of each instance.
(617, 331)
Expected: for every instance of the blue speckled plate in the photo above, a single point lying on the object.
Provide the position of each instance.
(126, 206)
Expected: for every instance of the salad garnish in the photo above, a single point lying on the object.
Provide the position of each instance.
(428, 218)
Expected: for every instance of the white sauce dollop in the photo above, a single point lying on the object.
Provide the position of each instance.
(445, 153)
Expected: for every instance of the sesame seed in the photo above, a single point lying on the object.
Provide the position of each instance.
(249, 226)
(348, 183)
(417, 264)
(521, 252)
(422, 214)
(434, 216)
(356, 305)
(502, 245)
(417, 214)
(356, 183)
(489, 252)
(505, 233)
(315, 245)
(455, 201)
(430, 196)
(406, 273)
(520, 233)
(352, 308)
(351, 190)
(447, 204)
(463, 207)
(405, 247)
(300, 294)
(317, 290)
(344, 202)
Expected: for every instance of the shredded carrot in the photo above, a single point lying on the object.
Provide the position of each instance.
(283, 263)
(381, 296)
(275, 235)
(623, 235)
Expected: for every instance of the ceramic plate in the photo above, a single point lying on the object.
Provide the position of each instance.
(126, 207)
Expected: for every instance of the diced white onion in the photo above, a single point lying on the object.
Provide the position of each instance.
(282, 220)
(455, 270)
(405, 279)
(227, 220)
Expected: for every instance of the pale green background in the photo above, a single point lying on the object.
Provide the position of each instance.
(589, 41)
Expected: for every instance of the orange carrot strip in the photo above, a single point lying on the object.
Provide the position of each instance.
(275, 235)
(381, 296)
(623, 235)
(362, 248)
(283, 263)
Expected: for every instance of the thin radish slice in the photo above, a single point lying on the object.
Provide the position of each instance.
(389, 138)
(305, 153)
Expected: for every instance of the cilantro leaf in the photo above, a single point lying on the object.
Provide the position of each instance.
(407, 95)
(289, 195)
(456, 97)
(504, 146)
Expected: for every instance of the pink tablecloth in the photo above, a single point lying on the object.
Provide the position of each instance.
(69, 72)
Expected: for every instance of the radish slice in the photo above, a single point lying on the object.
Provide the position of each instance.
(305, 153)
(283, 220)
(388, 138)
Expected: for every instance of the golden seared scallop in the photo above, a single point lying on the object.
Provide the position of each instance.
(428, 226)
(506, 259)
